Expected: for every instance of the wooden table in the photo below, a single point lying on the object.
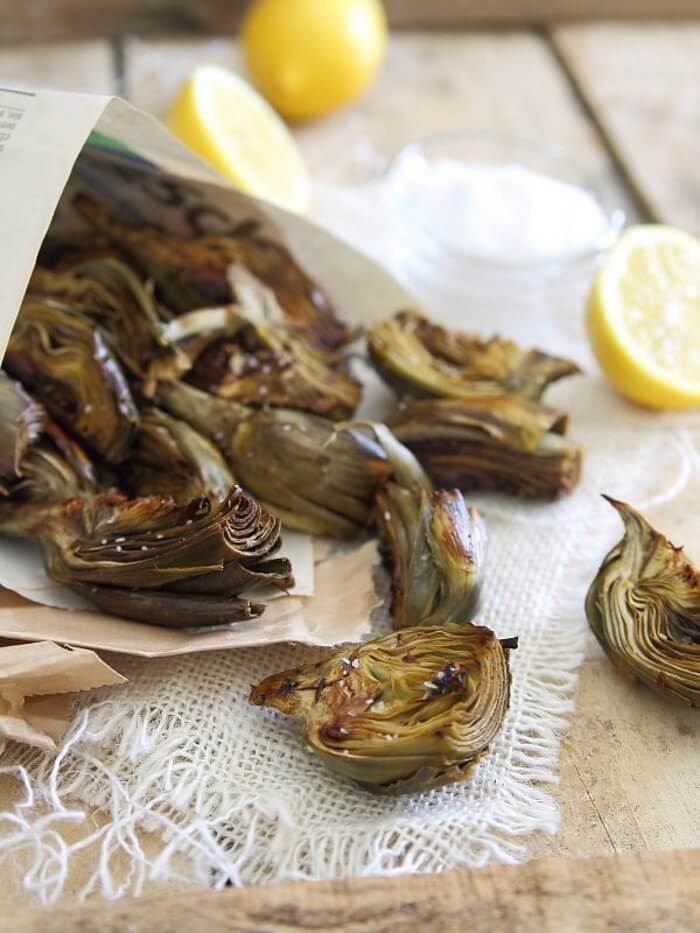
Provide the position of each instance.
(624, 98)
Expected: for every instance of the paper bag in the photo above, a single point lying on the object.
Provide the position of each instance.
(37, 683)
(53, 145)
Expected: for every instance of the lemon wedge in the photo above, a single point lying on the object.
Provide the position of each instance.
(643, 316)
(225, 121)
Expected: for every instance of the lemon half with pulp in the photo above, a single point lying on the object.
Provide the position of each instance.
(643, 316)
(225, 121)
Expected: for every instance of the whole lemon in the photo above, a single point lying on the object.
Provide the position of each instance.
(309, 57)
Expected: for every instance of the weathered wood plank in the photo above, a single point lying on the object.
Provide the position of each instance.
(70, 66)
(649, 891)
(642, 83)
(34, 20)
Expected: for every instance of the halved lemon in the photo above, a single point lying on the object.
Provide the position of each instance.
(643, 316)
(225, 121)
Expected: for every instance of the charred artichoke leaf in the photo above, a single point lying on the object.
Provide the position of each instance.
(170, 458)
(169, 610)
(644, 609)
(498, 442)
(66, 362)
(258, 365)
(422, 359)
(193, 272)
(404, 712)
(148, 543)
(22, 422)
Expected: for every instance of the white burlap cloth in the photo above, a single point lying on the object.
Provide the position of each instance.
(229, 790)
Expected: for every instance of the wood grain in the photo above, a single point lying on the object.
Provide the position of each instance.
(642, 83)
(33, 20)
(649, 891)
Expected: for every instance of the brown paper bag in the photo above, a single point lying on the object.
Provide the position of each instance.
(37, 683)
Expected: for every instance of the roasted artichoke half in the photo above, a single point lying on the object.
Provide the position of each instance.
(153, 561)
(316, 476)
(194, 272)
(434, 544)
(404, 712)
(497, 442)
(421, 359)
(60, 356)
(644, 609)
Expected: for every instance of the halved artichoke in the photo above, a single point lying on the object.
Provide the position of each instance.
(404, 712)
(66, 362)
(433, 543)
(154, 561)
(194, 272)
(644, 609)
(419, 358)
(436, 547)
(316, 476)
(499, 442)
(170, 458)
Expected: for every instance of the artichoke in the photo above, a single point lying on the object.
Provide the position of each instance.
(404, 712)
(194, 272)
(433, 543)
(22, 422)
(316, 476)
(66, 362)
(644, 609)
(498, 442)
(419, 358)
(169, 458)
(151, 560)
(109, 294)
(255, 364)
(436, 548)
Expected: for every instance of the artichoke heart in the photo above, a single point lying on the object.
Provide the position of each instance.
(61, 357)
(419, 358)
(404, 712)
(644, 609)
(498, 442)
(193, 272)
